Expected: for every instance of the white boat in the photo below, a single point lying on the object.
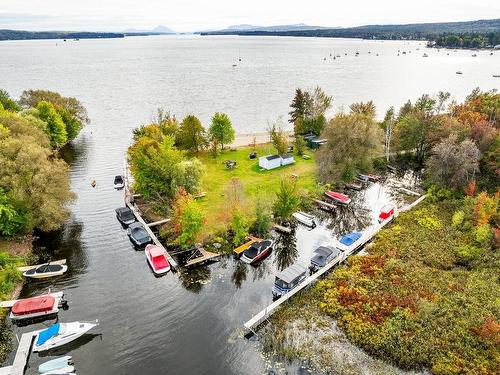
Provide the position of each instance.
(61, 371)
(55, 364)
(60, 334)
(119, 182)
(44, 271)
(305, 219)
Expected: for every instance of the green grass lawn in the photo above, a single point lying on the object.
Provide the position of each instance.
(254, 181)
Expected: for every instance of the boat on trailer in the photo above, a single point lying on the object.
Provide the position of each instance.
(338, 197)
(36, 307)
(257, 251)
(60, 334)
(305, 219)
(157, 259)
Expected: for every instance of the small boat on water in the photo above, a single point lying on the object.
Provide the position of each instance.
(425, 55)
(119, 182)
(257, 251)
(36, 307)
(66, 370)
(55, 364)
(288, 279)
(459, 72)
(125, 216)
(60, 334)
(338, 197)
(363, 178)
(349, 242)
(138, 234)
(386, 213)
(474, 55)
(373, 177)
(157, 259)
(46, 270)
(305, 219)
(321, 257)
(496, 75)
(353, 186)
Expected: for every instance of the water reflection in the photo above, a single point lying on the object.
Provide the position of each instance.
(194, 279)
(285, 250)
(239, 274)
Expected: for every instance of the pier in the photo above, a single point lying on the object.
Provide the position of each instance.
(22, 355)
(261, 316)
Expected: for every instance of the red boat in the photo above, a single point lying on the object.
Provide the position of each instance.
(338, 197)
(34, 307)
(386, 213)
(257, 251)
(157, 259)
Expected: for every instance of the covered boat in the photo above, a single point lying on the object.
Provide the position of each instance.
(386, 213)
(322, 256)
(119, 182)
(55, 364)
(138, 235)
(35, 307)
(66, 370)
(257, 251)
(349, 242)
(46, 270)
(305, 219)
(338, 197)
(125, 216)
(288, 279)
(157, 259)
(60, 334)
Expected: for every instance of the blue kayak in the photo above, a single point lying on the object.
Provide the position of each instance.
(54, 364)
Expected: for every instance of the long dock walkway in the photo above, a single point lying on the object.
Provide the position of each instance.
(137, 214)
(22, 355)
(366, 237)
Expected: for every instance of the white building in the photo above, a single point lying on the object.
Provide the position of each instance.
(287, 159)
(270, 161)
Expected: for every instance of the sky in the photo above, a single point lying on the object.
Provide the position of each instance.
(198, 15)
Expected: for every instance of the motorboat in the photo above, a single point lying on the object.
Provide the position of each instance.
(353, 186)
(288, 279)
(338, 197)
(373, 177)
(125, 216)
(46, 270)
(157, 259)
(60, 334)
(386, 213)
(67, 370)
(459, 72)
(138, 234)
(35, 307)
(305, 219)
(425, 55)
(349, 242)
(119, 182)
(55, 364)
(257, 251)
(363, 178)
(322, 256)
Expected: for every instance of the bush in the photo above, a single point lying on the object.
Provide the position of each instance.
(483, 235)
(468, 254)
(457, 219)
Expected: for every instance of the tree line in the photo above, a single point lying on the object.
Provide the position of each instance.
(34, 180)
(466, 40)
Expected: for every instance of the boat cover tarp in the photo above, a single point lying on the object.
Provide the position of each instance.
(321, 254)
(160, 262)
(33, 305)
(47, 334)
(291, 273)
(350, 238)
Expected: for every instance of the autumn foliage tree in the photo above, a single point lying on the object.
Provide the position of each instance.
(187, 219)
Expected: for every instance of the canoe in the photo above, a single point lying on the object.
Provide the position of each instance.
(55, 364)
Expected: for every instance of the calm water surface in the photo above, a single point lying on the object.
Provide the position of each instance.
(189, 323)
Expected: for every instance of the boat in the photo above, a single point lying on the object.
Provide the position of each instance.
(496, 75)
(338, 197)
(373, 177)
(66, 370)
(288, 279)
(138, 234)
(305, 219)
(55, 364)
(349, 242)
(125, 216)
(474, 55)
(119, 182)
(459, 72)
(157, 259)
(354, 186)
(60, 334)
(321, 257)
(363, 178)
(257, 251)
(46, 270)
(425, 55)
(35, 307)
(386, 213)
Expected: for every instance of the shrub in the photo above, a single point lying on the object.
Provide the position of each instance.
(467, 254)
(483, 235)
(457, 219)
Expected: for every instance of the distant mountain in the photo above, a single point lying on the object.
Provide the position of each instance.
(157, 30)
(277, 28)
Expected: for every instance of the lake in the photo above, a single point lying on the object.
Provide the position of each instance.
(190, 322)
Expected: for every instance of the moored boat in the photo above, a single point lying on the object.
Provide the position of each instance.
(257, 251)
(373, 177)
(321, 257)
(349, 242)
(55, 364)
(353, 186)
(125, 216)
(66, 370)
(157, 259)
(288, 279)
(138, 235)
(119, 182)
(305, 219)
(386, 213)
(338, 197)
(60, 334)
(36, 307)
(46, 270)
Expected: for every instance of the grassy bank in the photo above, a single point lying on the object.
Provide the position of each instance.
(255, 182)
(425, 298)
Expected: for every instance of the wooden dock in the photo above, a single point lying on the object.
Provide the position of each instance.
(204, 257)
(246, 245)
(22, 355)
(261, 316)
(137, 214)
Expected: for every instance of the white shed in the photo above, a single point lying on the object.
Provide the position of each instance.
(270, 161)
(287, 159)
